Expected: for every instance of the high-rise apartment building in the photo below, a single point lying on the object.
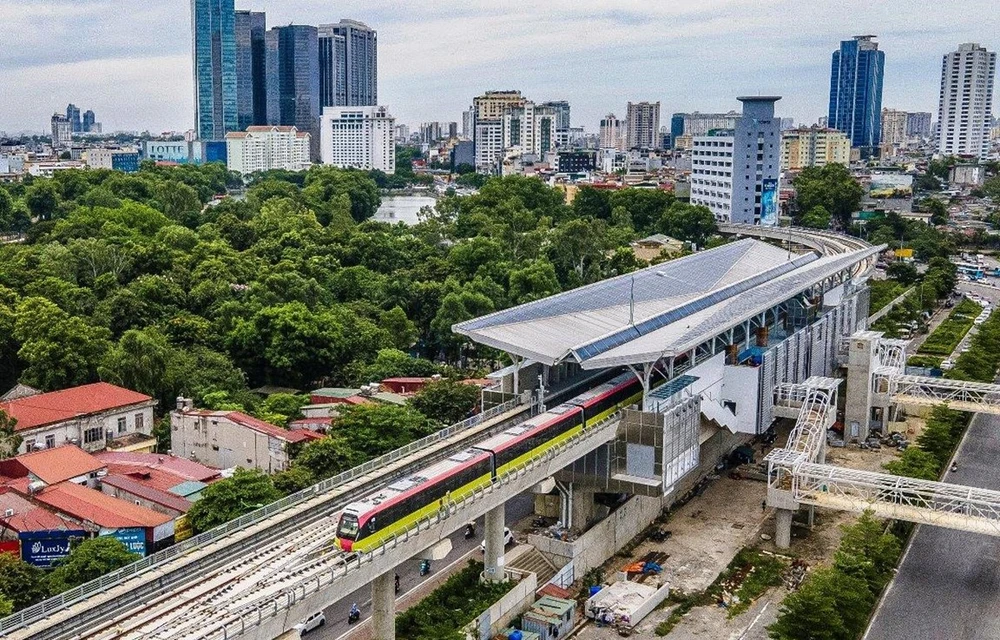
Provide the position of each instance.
(965, 108)
(214, 51)
(263, 148)
(251, 68)
(468, 123)
(642, 125)
(73, 115)
(813, 147)
(62, 130)
(735, 173)
(530, 129)
(293, 79)
(610, 133)
(856, 92)
(488, 133)
(894, 126)
(918, 124)
(349, 64)
(359, 137)
(562, 111)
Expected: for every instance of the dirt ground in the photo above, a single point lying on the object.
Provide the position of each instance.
(709, 530)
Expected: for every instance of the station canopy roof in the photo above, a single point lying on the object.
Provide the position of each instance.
(677, 306)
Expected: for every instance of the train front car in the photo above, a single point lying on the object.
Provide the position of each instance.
(348, 528)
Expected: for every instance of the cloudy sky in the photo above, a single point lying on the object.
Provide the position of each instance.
(129, 60)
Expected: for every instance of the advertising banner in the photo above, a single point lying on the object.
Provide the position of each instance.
(133, 539)
(43, 548)
(13, 547)
(769, 202)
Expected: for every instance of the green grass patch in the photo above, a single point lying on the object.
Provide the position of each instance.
(945, 338)
(930, 362)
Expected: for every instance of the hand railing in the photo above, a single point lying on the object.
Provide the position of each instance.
(108, 581)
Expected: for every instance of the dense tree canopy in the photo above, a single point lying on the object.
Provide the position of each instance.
(88, 561)
(832, 188)
(246, 491)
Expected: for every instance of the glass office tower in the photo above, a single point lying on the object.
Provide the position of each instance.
(215, 79)
(293, 79)
(856, 92)
(251, 88)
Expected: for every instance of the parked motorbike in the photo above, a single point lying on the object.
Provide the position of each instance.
(425, 567)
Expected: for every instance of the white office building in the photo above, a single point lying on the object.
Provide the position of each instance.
(735, 172)
(358, 137)
(529, 129)
(965, 108)
(262, 148)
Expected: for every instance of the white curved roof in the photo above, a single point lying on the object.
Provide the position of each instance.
(678, 304)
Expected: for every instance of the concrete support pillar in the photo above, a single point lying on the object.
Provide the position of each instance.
(384, 606)
(493, 556)
(811, 516)
(860, 363)
(583, 508)
(783, 528)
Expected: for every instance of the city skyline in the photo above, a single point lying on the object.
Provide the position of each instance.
(135, 69)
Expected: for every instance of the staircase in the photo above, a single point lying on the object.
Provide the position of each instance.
(532, 560)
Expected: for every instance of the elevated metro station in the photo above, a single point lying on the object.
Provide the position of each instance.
(708, 337)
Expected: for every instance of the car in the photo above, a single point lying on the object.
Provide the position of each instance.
(313, 622)
(508, 539)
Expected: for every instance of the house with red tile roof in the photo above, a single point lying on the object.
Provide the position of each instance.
(91, 416)
(52, 466)
(229, 439)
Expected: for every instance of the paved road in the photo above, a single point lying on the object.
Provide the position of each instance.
(948, 585)
(409, 575)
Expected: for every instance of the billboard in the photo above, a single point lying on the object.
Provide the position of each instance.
(43, 548)
(890, 185)
(769, 202)
(133, 539)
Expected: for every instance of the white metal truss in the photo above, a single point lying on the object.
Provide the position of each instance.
(922, 501)
(975, 397)
(817, 411)
(891, 356)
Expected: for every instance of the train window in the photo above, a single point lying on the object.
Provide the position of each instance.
(348, 526)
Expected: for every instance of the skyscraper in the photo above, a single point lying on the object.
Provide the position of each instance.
(350, 58)
(488, 135)
(856, 92)
(562, 121)
(213, 32)
(62, 130)
(918, 124)
(965, 109)
(642, 122)
(89, 122)
(73, 115)
(293, 79)
(251, 83)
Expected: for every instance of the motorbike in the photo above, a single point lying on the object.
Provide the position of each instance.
(354, 615)
(470, 530)
(954, 467)
(425, 567)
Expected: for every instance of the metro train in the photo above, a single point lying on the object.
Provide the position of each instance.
(366, 522)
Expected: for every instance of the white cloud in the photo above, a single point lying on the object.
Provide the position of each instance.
(435, 55)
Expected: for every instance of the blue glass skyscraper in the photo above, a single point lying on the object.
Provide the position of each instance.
(293, 79)
(856, 92)
(213, 29)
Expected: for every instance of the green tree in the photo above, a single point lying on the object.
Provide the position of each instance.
(10, 441)
(139, 362)
(60, 350)
(867, 552)
(6, 606)
(20, 582)
(388, 363)
(42, 199)
(831, 187)
(816, 218)
(446, 401)
(690, 223)
(992, 188)
(293, 479)
(401, 330)
(938, 211)
(535, 281)
(373, 429)
(88, 561)
(915, 463)
(324, 183)
(903, 273)
(230, 498)
(328, 457)
(939, 436)
(6, 211)
(828, 606)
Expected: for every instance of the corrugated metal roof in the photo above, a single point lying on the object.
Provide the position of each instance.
(677, 305)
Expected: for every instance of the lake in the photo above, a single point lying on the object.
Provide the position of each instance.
(403, 208)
